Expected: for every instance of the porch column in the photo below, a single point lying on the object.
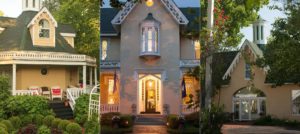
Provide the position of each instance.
(84, 77)
(14, 79)
(95, 73)
(91, 76)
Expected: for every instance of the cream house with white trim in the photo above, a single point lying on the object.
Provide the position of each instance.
(36, 50)
(146, 48)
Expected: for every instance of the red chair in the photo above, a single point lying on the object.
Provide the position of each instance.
(56, 92)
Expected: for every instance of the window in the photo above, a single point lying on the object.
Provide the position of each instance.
(262, 32)
(257, 31)
(111, 99)
(296, 102)
(33, 3)
(26, 3)
(150, 40)
(44, 29)
(189, 85)
(197, 49)
(104, 50)
(247, 71)
(150, 36)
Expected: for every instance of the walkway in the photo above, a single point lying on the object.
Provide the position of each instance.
(248, 129)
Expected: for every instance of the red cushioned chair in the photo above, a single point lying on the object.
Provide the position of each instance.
(56, 92)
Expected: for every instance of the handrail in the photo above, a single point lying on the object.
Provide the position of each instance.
(73, 94)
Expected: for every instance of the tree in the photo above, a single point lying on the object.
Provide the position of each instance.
(282, 51)
(1, 13)
(85, 20)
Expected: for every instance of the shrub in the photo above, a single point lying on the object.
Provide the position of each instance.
(106, 119)
(63, 124)
(55, 123)
(74, 128)
(44, 130)
(126, 121)
(15, 121)
(3, 131)
(26, 120)
(8, 125)
(193, 119)
(23, 105)
(3, 126)
(92, 127)
(38, 120)
(172, 121)
(213, 120)
(29, 129)
(48, 120)
(81, 109)
(4, 95)
(272, 121)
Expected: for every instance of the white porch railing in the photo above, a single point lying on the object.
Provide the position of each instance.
(189, 63)
(107, 108)
(94, 102)
(186, 110)
(27, 92)
(38, 56)
(73, 94)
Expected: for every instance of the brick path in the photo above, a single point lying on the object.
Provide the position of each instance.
(248, 129)
(149, 129)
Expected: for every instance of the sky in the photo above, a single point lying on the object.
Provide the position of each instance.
(13, 8)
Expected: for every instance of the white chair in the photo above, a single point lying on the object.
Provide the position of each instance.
(35, 88)
(56, 92)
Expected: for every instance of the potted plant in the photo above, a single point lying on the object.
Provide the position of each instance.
(66, 102)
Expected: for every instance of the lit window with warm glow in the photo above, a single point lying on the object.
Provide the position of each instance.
(110, 91)
(189, 85)
(197, 49)
(104, 50)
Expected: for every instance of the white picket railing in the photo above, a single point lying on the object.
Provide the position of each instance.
(107, 108)
(27, 92)
(186, 110)
(73, 94)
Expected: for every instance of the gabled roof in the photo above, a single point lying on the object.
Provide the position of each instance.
(17, 37)
(7, 22)
(256, 51)
(169, 5)
(107, 14)
(36, 17)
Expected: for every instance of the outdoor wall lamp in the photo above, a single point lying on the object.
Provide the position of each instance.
(149, 3)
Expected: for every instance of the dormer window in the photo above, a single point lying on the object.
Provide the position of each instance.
(150, 37)
(44, 29)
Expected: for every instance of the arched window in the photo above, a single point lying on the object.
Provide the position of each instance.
(150, 36)
(104, 50)
(44, 28)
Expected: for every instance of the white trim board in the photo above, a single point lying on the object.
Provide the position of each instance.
(169, 5)
(39, 13)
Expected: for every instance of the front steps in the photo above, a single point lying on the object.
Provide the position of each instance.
(60, 110)
(150, 119)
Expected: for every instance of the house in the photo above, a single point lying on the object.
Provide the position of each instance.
(37, 51)
(246, 90)
(145, 56)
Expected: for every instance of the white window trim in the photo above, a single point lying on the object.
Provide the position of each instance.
(148, 25)
(68, 34)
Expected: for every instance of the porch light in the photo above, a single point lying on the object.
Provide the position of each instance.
(149, 3)
(150, 84)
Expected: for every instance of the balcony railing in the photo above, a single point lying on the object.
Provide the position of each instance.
(110, 64)
(189, 63)
(107, 108)
(45, 56)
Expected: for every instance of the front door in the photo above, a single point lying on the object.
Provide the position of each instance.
(150, 102)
